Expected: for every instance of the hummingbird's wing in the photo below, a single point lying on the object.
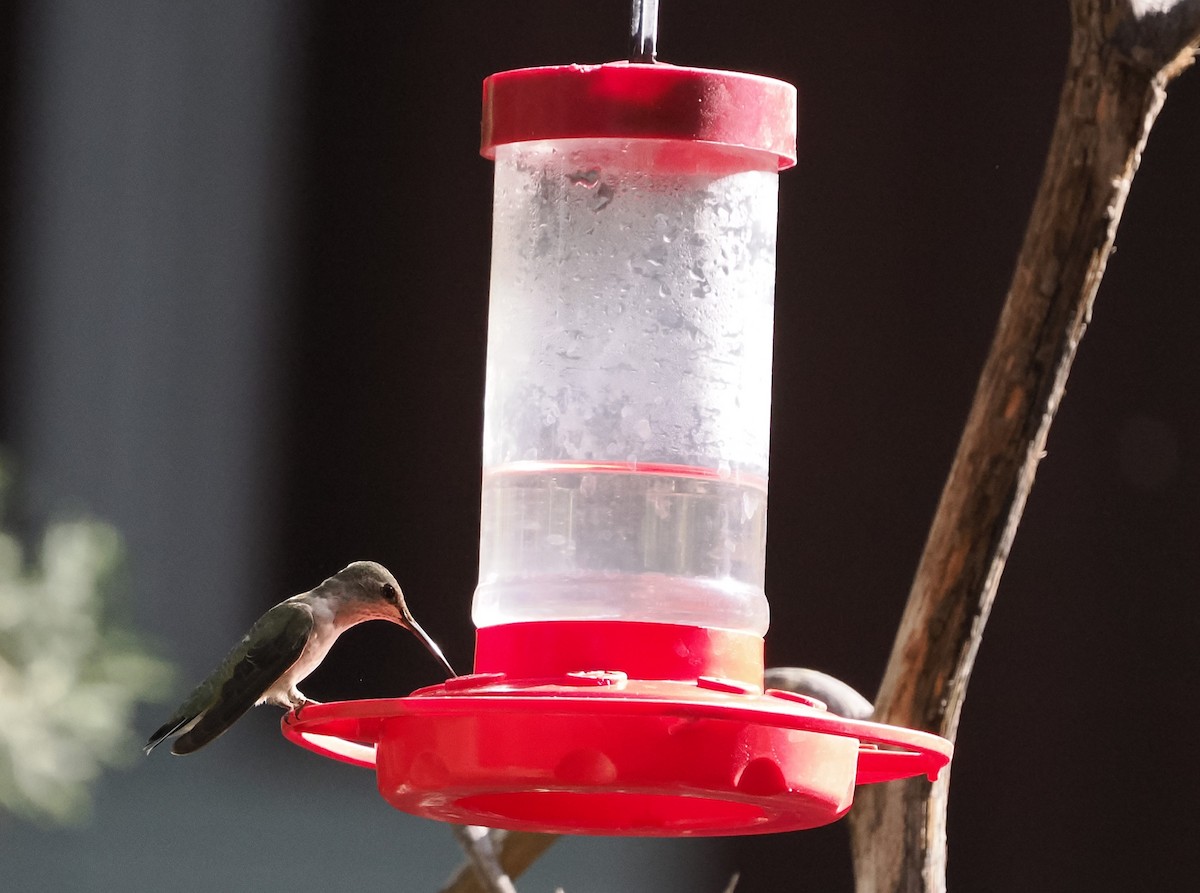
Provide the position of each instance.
(274, 643)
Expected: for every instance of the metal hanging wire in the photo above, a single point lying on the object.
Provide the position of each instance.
(644, 31)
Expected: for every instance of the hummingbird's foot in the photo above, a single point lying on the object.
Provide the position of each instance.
(304, 702)
(296, 705)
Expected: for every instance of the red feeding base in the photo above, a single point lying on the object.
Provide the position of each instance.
(682, 741)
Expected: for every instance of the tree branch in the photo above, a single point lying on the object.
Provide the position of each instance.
(516, 851)
(479, 845)
(1123, 54)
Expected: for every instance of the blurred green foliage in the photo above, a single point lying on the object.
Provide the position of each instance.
(71, 675)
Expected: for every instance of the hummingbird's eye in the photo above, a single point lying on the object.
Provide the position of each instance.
(389, 592)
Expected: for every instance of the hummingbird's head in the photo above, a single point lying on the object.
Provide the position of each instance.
(374, 594)
(371, 590)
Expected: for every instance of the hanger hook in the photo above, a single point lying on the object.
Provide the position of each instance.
(644, 31)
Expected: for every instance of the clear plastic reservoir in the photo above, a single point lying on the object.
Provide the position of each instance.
(627, 415)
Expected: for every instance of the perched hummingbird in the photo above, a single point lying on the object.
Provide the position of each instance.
(283, 647)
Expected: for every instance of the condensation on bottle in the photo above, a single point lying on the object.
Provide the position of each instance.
(627, 410)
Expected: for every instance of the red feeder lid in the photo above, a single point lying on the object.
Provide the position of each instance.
(638, 101)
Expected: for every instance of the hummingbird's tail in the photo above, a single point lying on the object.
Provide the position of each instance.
(165, 731)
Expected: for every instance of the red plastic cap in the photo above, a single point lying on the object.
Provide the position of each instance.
(636, 101)
(637, 650)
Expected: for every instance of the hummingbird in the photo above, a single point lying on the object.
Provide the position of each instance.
(283, 647)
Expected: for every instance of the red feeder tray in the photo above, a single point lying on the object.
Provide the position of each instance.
(658, 749)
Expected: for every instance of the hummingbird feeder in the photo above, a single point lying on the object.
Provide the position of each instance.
(618, 678)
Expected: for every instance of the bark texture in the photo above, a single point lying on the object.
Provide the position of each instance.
(1122, 56)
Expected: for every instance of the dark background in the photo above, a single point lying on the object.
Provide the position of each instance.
(922, 132)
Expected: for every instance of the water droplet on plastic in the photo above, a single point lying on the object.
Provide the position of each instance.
(604, 196)
(588, 179)
(662, 506)
(750, 503)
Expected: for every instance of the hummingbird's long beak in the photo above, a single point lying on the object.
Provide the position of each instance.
(430, 644)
